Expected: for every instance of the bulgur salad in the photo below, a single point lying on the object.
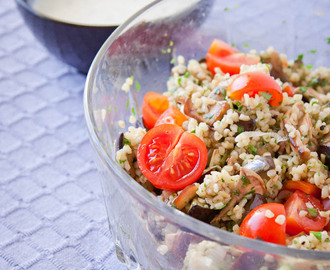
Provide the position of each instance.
(239, 141)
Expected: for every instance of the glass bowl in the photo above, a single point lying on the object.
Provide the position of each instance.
(148, 234)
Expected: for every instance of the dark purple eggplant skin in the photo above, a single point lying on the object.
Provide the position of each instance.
(247, 125)
(121, 141)
(203, 214)
(325, 149)
(256, 201)
(251, 261)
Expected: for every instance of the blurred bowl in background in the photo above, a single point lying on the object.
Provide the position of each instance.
(74, 30)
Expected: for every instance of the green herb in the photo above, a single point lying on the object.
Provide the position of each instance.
(208, 116)
(259, 105)
(324, 166)
(126, 141)
(318, 235)
(284, 116)
(283, 165)
(313, 51)
(233, 44)
(313, 212)
(266, 95)
(309, 66)
(300, 57)
(295, 241)
(328, 40)
(174, 205)
(132, 78)
(186, 75)
(223, 206)
(240, 129)
(133, 111)
(236, 192)
(252, 191)
(239, 106)
(253, 149)
(309, 143)
(137, 85)
(303, 89)
(164, 51)
(171, 43)
(121, 161)
(172, 61)
(116, 109)
(327, 240)
(265, 196)
(245, 45)
(326, 119)
(313, 82)
(323, 82)
(127, 104)
(224, 92)
(226, 9)
(235, 6)
(245, 181)
(169, 50)
(179, 81)
(268, 66)
(109, 108)
(193, 131)
(314, 102)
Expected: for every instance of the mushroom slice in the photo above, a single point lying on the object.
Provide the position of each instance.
(217, 111)
(248, 125)
(310, 93)
(261, 164)
(295, 118)
(277, 67)
(250, 182)
(202, 213)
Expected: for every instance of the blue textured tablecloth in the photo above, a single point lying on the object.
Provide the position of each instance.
(51, 209)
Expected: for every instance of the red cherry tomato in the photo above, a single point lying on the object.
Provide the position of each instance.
(253, 83)
(297, 223)
(227, 58)
(153, 106)
(171, 116)
(221, 48)
(170, 158)
(303, 186)
(257, 224)
(289, 89)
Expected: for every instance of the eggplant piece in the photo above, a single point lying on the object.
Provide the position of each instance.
(324, 148)
(253, 260)
(277, 67)
(310, 93)
(261, 164)
(250, 182)
(202, 213)
(121, 141)
(256, 200)
(247, 125)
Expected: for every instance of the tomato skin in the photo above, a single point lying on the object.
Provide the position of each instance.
(231, 63)
(154, 104)
(289, 89)
(256, 224)
(227, 58)
(170, 158)
(171, 116)
(296, 223)
(253, 83)
(221, 48)
(303, 186)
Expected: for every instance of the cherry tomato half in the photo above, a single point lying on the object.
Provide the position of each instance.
(153, 106)
(171, 116)
(170, 158)
(227, 58)
(289, 89)
(258, 224)
(253, 83)
(297, 223)
(303, 186)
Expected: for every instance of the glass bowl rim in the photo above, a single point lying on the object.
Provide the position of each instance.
(183, 220)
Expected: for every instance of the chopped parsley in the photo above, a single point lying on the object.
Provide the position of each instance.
(240, 129)
(318, 235)
(174, 205)
(126, 141)
(235, 6)
(314, 102)
(233, 44)
(193, 131)
(303, 89)
(326, 119)
(309, 66)
(253, 149)
(171, 43)
(224, 92)
(300, 57)
(208, 116)
(137, 85)
(245, 181)
(226, 9)
(328, 39)
(313, 212)
(266, 95)
(133, 111)
(236, 192)
(116, 109)
(164, 51)
(283, 165)
(109, 108)
(127, 104)
(172, 61)
(259, 105)
(313, 82)
(187, 74)
(284, 116)
(179, 81)
(313, 51)
(245, 45)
